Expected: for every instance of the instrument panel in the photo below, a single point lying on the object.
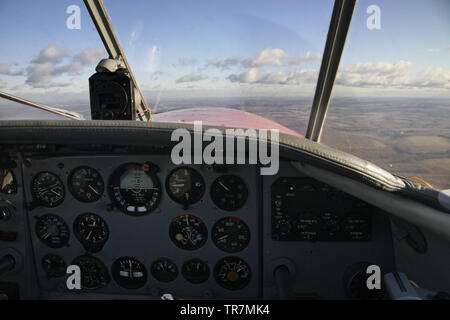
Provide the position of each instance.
(140, 225)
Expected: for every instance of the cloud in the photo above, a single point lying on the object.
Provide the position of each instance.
(41, 75)
(191, 78)
(90, 56)
(250, 76)
(267, 57)
(399, 74)
(53, 53)
(50, 64)
(295, 77)
(434, 50)
(6, 70)
(224, 63)
(309, 56)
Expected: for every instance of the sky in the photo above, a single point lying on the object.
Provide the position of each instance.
(208, 48)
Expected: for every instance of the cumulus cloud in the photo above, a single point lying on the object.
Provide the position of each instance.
(6, 70)
(309, 56)
(267, 57)
(295, 77)
(250, 76)
(41, 75)
(90, 56)
(191, 78)
(224, 63)
(399, 74)
(54, 61)
(53, 53)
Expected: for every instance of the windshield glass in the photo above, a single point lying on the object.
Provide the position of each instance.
(390, 103)
(45, 61)
(391, 99)
(259, 56)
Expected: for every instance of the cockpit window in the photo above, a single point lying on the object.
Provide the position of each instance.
(49, 49)
(259, 56)
(391, 99)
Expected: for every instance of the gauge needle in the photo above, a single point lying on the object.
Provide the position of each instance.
(131, 269)
(90, 187)
(56, 193)
(224, 186)
(223, 237)
(89, 235)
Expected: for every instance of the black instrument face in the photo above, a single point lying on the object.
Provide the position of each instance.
(195, 271)
(91, 230)
(94, 274)
(54, 266)
(86, 184)
(185, 185)
(188, 232)
(229, 192)
(164, 270)
(232, 273)
(52, 231)
(8, 183)
(129, 273)
(47, 189)
(304, 209)
(230, 234)
(135, 189)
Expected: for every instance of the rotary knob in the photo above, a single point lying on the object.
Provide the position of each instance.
(5, 214)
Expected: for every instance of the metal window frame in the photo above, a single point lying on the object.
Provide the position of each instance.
(337, 35)
(105, 29)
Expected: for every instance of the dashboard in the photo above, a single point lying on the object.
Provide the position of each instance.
(139, 226)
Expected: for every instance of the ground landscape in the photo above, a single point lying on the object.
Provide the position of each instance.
(409, 137)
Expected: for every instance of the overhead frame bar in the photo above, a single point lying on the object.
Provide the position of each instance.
(61, 112)
(337, 34)
(112, 45)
